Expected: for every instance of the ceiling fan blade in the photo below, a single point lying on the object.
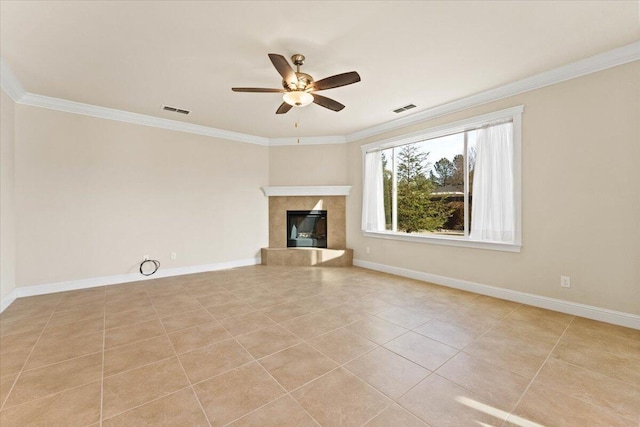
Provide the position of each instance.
(283, 67)
(336, 81)
(327, 102)
(257, 89)
(283, 108)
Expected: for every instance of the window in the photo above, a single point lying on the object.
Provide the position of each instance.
(456, 184)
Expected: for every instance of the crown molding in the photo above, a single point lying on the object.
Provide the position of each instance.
(135, 118)
(443, 130)
(308, 190)
(310, 140)
(602, 61)
(592, 64)
(9, 82)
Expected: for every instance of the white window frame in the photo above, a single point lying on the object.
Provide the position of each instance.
(513, 114)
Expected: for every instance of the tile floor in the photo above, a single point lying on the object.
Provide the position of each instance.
(275, 346)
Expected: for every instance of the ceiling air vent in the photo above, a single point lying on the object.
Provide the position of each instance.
(175, 110)
(405, 108)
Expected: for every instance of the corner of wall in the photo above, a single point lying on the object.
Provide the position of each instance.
(7, 201)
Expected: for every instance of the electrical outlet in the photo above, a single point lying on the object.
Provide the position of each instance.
(368, 250)
(174, 255)
(565, 281)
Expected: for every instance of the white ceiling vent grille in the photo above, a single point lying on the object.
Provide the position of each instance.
(405, 108)
(175, 110)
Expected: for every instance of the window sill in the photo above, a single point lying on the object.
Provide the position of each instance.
(447, 241)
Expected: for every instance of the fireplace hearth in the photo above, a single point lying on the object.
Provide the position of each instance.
(307, 229)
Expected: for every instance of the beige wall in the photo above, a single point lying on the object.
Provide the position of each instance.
(308, 165)
(94, 196)
(580, 198)
(7, 196)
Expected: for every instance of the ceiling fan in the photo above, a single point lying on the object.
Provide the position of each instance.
(299, 88)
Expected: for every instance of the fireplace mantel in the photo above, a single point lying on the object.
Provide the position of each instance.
(303, 190)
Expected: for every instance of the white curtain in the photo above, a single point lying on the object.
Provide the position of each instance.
(493, 211)
(372, 193)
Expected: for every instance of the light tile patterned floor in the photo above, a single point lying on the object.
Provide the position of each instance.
(276, 346)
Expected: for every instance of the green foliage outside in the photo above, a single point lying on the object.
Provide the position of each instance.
(445, 170)
(417, 210)
(387, 188)
(449, 173)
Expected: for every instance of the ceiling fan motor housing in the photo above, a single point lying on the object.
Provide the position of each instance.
(304, 80)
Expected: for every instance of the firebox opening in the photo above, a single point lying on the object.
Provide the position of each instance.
(307, 229)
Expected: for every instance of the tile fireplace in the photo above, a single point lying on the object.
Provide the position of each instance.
(307, 226)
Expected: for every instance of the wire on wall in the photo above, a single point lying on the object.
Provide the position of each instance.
(156, 266)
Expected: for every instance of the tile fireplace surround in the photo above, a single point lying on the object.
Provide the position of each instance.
(331, 199)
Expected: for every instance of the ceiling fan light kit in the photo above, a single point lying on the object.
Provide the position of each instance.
(298, 98)
(297, 86)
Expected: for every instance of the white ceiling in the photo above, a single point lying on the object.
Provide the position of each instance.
(137, 56)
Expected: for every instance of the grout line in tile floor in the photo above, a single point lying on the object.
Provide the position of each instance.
(96, 352)
(183, 370)
(84, 384)
(104, 341)
(569, 363)
(599, 373)
(538, 371)
(490, 362)
(288, 393)
(52, 395)
(262, 367)
(108, 376)
(604, 375)
(104, 350)
(153, 400)
(15, 381)
(61, 361)
(433, 372)
(382, 410)
(339, 366)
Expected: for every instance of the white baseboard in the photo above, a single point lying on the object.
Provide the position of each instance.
(28, 291)
(7, 300)
(590, 312)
